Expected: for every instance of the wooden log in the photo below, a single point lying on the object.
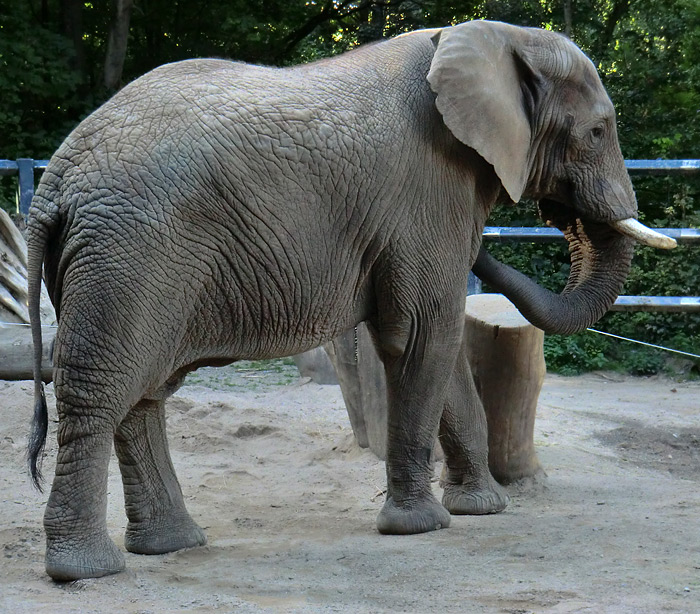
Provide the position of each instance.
(506, 355)
(13, 277)
(13, 272)
(16, 349)
(17, 353)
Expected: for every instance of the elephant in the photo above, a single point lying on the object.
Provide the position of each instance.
(213, 211)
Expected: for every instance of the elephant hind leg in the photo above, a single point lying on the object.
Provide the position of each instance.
(158, 519)
(77, 542)
(469, 487)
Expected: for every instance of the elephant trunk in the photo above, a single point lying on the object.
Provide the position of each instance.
(600, 260)
(601, 246)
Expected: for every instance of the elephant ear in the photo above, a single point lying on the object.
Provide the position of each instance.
(484, 87)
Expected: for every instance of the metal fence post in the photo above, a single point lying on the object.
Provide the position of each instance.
(473, 284)
(25, 168)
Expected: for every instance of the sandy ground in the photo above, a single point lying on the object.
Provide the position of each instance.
(269, 468)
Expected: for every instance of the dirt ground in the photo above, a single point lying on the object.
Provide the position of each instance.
(269, 468)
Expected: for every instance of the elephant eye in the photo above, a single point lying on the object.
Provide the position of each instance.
(597, 132)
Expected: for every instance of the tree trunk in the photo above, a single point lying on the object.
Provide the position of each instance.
(72, 14)
(605, 38)
(117, 43)
(568, 26)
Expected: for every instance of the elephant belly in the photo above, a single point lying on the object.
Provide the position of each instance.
(272, 312)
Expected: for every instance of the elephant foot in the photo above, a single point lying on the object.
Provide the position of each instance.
(414, 517)
(462, 499)
(164, 534)
(77, 558)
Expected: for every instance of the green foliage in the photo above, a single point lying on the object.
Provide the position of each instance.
(41, 92)
(574, 354)
(52, 54)
(589, 351)
(652, 71)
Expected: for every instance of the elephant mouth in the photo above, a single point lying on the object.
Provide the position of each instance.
(557, 214)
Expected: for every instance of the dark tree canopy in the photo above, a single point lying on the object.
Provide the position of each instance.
(60, 58)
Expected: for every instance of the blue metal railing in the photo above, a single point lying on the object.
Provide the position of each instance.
(535, 234)
(662, 167)
(26, 168)
(668, 304)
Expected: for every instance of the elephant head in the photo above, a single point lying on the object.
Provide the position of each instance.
(532, 105)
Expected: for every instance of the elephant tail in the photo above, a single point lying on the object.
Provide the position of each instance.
(38, 230)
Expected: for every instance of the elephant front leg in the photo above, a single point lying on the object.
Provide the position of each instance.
(469, 487)
(418, 363)
(158, 520)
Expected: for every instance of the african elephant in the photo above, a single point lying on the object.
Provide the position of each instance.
(213, 211)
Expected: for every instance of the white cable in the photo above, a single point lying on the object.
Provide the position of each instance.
(651, 345)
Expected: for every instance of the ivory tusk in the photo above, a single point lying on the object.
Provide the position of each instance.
(642, 234)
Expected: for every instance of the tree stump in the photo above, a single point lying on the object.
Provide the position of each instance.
(506, 355)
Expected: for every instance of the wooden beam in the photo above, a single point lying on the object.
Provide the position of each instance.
(17, 353)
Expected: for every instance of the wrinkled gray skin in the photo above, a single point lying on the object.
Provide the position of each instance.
(214, 211)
